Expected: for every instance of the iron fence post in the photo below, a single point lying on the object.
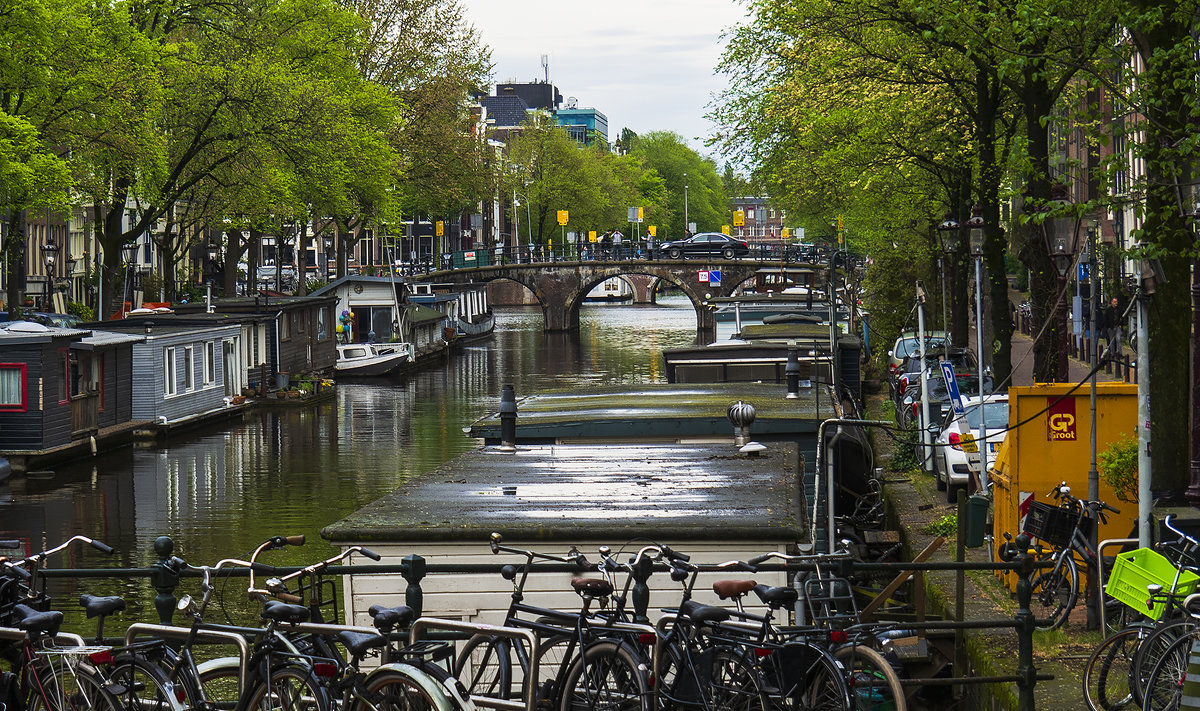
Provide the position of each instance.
(165, 579)
(1026, 671)
(414, 571)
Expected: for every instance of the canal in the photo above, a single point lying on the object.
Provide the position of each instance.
(219, 492)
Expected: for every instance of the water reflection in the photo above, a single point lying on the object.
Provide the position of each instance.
(220, 491)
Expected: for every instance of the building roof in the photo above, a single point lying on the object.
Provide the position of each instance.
(30, 332)
(105, 339)
(332, 287)
(422, 314)
(508, 111)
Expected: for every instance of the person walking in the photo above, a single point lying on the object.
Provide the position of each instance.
(1112, 320)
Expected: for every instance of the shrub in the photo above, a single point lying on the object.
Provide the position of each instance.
(1119, 467)
(945, 526)
(83, 311)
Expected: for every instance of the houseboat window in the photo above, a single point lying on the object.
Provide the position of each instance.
(12, 386)
(322, 319)
(210, 362)
(169, 371)
(285, 327)
(189, 370)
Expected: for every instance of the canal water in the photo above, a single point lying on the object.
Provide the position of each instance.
(219, 492)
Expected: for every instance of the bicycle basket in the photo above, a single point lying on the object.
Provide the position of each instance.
(1053, 524)
(1134, 570)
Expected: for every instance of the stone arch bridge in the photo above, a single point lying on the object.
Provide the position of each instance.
(560, 287)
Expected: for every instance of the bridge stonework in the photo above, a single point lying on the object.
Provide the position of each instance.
(560, 287)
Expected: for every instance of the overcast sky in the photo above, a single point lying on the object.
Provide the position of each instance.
(645, 64)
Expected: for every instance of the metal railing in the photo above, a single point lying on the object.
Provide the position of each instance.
(414, 569)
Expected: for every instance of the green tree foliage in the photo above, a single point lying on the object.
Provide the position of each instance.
(677, 164)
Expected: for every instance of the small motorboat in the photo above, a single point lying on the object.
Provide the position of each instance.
(371, 358)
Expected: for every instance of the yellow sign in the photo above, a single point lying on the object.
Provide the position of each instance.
(562, 217)
(724, 229)
(841, 232)
(591, 235)
(440, 228)
(786, 233)
(739, 218)
(653, 230)
(639, 214)
(967, 443)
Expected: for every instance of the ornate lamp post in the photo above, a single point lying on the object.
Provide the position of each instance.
(1062, 240)
(49, 258)
(949, 237)
(211, 250)
(975, 239)
(129, 252)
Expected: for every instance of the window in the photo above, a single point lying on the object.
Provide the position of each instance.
(285, 326)
(210, 362)
(168, 371)
(322, 320)
(12, 387)
(189, 370)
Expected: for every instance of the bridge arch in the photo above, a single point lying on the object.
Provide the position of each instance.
(560, 287)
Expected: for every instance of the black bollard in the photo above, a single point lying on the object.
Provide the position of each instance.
(1026, 671)
(641, 590)
(165, 579)
(414, 572)
(508, 418)
(792, 373)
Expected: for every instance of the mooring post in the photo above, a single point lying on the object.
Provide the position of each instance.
(792, 373)
(414, 571)
(641, 590)
(164, 579)
(508, 418)
(1026, 672)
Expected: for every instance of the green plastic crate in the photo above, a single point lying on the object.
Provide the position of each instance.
(1135, 570)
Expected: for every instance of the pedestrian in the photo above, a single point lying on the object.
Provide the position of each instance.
(1112, 318)
(618, 249)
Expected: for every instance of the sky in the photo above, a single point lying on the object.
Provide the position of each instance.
(645, 64)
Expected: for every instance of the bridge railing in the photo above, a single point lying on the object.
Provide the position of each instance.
(583, 252)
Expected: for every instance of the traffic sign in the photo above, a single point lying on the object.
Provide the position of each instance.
(739, 218)
(714, 277)
(562, 217)
(591, 235)
(702, 276)
(725, 229)
(952, 387)
(653, 229)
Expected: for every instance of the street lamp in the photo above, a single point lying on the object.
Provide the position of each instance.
(949, 237)
(49, 257)
(129, 252)
(211, 250)
(686, 228)
(1061, 242)
(976, 234)
(528, 225)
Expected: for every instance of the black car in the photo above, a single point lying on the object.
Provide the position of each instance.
(705, 244)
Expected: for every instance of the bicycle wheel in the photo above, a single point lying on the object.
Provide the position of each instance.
(606, 676)
(139, 685)
(400, 687)
(808, 678)
(1155, 642)
(485, 666)
(289, 688)
(876, 684)
(1055, 593)
(220, 681)
(736, 684)
(552, 661)
(1164, 686)
(1107, 676)
(66, 686)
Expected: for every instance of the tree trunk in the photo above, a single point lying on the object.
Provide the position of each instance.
(14, 249)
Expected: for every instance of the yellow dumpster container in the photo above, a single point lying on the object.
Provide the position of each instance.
(1054, 446)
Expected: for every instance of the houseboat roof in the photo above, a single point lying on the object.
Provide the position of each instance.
(422, 314)
(607, 492)
(105, 339)
(30, 332)
(334, 285)
(660, 411)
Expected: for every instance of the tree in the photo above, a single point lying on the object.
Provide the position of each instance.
(677, 164)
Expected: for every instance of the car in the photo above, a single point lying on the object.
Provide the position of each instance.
(963, 360)
(704, 244)
(906, 345)
(957, 452)
(47, 319)
(909, 413)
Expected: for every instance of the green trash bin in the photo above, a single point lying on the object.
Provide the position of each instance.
(977, 512)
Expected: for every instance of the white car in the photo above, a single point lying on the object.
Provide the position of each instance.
(956, 450)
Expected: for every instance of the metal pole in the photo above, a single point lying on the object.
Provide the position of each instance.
(982, 436)
(924, 423)
(1143, 421)
(685, 203)
(1064, 368)
(1095, 595)
(1193, 491)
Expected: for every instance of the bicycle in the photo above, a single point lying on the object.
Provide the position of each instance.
(597, 665)
(1067, 529)
(50, 677)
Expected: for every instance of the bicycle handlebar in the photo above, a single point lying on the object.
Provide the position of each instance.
(573, 556)
(802, 558)
(1181, 534)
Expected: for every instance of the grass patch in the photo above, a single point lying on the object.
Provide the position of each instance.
(946, 526)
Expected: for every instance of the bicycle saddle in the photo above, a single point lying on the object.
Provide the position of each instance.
(726, 589)
(777, 597)
(592, 587)
(703, 613)
(95, 605)
(33, 621)
(284, 612)
(388, 618)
